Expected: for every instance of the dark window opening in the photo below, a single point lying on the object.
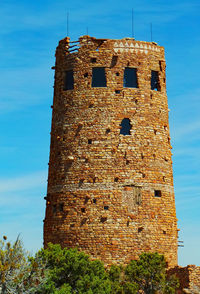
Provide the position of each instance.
(93, 60)
(86, 200)
(164, 232)
(117, 74)
(68, 80)
(91, 105)
(117, 91)
(136, 101)
(54, 208)
(163, 178)
(127, 223)
(78, 130)
(94, 180)
(157, 193)
(155, 132)
(94, 201)
(114, 60)
(140, 229)
(155, 81)
(160, 64)
(72, 225)
(61, 206)
(107, 131)
(125, 127)
(89, 141)
(127, 162)
(154, 156)
(106, 207)
(116, 180)
(84, 220)
(142, 155)
(103, 219)
(83, 209)
(130, 77)
(98, 77)
(85, 75)
(80, 182)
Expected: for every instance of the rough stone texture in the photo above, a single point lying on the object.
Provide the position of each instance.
(101, 184)
(189, 278)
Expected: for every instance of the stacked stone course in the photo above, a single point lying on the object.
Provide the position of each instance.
(101, 184)
(189, 278)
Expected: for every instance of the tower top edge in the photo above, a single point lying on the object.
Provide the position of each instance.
(86, 39)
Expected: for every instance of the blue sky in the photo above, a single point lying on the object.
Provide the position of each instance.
(30, 31)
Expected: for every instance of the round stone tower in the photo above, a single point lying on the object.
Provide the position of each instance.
(110, 184)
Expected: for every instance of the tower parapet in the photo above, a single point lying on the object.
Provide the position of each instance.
(110, 184)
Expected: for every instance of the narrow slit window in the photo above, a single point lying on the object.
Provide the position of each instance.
(125, 127)
(68, 80)
(155, 81)
(130, 78)
(114, 60)
(98, 77)
(54, 208)
(61, 206)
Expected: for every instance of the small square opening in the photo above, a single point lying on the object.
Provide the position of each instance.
(93, 60)
(157, 193)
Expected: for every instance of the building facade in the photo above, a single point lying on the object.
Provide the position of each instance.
(110, 183)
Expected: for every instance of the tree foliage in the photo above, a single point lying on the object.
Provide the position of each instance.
(67, 271)
(19, 273)
(149, 273)
(73, 270)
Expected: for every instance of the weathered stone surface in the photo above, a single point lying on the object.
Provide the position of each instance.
(189, 278)
(101, 184)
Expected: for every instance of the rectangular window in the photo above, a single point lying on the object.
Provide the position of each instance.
(98, 77)
(157, 193)
(130, 77)
(68, 80)
(155, 81)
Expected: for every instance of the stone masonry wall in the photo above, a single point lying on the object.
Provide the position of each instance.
(103, 185)
(189, 278)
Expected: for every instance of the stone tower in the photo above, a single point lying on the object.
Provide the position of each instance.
(110, 184)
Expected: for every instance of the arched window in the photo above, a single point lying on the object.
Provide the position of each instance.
(125, 127)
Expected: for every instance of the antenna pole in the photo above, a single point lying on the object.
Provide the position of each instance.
(68, 24)
(132, 24)
(151, 31)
